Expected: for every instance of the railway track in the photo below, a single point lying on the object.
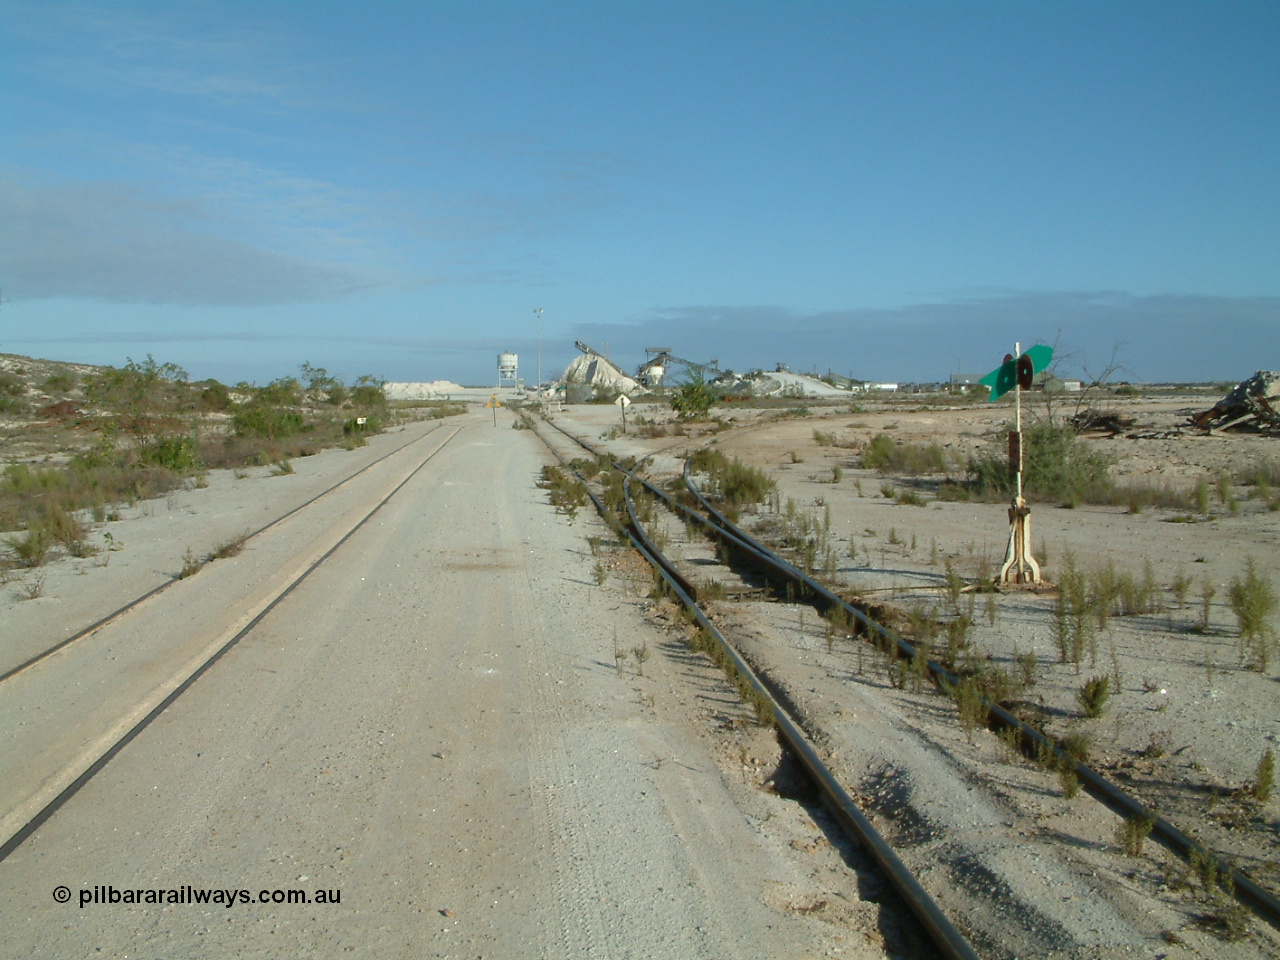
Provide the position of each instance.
(804, 588)
(939, 928)
(166, 584)
(18, 824)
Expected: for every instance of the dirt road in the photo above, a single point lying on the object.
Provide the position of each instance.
(431, 726)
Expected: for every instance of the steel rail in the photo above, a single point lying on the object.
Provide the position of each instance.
(52, 807)
(165, 585)
(1262, 902)
(949, 941)
(855, 823)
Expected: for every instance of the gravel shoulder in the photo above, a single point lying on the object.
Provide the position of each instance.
(434, 724)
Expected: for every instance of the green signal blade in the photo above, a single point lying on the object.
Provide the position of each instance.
(1000, 380)
(1040, 356)
(1005, 377)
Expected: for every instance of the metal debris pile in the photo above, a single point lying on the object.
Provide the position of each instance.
(1253, 404)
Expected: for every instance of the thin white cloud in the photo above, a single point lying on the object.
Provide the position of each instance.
(122, 244)
(184, 51)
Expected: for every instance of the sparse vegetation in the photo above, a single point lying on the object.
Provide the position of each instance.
(1132, 834)
(565, 492)
(30, 549)
(1093, 696)
(1208, 590)
(887, 455)
(1057, 467)
(969, 705)
(153, 434)
(11, 393)
(32, 588)
(229, 548)
(1253, 600)
(1263, 778)
(732, 481)
(191, 565)
(694, 399)
(63, 381)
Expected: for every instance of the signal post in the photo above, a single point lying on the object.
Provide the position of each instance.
(1017, 373)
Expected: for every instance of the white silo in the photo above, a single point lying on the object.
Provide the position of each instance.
(507, 369)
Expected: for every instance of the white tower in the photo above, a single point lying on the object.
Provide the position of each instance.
(507, 369)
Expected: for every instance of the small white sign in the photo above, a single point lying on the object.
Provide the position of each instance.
(361, 421)
(623, 401)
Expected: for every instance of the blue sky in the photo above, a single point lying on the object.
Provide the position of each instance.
(892, 190)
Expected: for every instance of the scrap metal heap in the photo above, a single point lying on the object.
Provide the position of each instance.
(1252, 404)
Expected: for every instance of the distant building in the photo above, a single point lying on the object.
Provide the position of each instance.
(1050, 384)
(965, 382)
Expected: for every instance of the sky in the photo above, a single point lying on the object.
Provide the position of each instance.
(888, 190)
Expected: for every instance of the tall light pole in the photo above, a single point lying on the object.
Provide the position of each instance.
(537, 312)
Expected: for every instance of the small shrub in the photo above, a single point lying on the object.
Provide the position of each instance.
(261, 420)
(887, 455)
(1157, 745)
(32, 588)
(565, 492)
(1207, 592)
(694, 399)
(732, 481)
(1263, 778)
(215, 397)
(284, 391)
(1068, 781)
(11, 392)
(1200, 496)
(62, 382)
(969, 705)
(1057, 466)
(1077, 746)
(1253, 600)
(1132, 833)
(191, 565)
(31, 549)
(230, 548)
(1027, 664)
(1180, 587)
(180, 454)
(1010, 743)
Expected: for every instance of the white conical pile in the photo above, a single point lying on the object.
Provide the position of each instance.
(596, 371)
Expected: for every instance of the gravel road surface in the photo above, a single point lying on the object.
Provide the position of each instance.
(431, 726)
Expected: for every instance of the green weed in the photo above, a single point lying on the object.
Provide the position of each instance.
(1093, 696)
(1057, 466)
(1263, 778)
(1132, 833)
(1253, 600)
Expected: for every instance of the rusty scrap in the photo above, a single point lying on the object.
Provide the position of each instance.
(1099, 421)
(1253, 404)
